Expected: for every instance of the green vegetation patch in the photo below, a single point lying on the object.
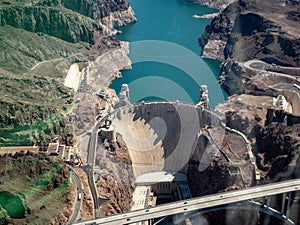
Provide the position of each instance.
(20, 50)
(34, 105)
(3, 216)
(38, 182)
(12, 204)
(40, 132)
(39, 40)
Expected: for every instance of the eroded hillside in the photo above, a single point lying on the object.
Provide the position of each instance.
(39, 40)
(249, 29)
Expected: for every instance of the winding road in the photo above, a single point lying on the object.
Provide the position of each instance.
(78, 203)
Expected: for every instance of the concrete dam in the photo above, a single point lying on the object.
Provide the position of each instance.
(163, 136)
(177, 151)
(165, 142)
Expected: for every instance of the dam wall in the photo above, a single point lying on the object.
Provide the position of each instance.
(162, 136)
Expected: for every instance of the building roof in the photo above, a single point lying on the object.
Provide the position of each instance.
(158, 177)
(139, 197)
(53, 148)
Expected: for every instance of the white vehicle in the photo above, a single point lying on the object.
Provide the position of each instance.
(297, 86)
(79, 196)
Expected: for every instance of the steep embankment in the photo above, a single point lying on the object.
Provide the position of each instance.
(249, 29)
(96, 9)
(54, 21)
(39, 40)
(266, 31)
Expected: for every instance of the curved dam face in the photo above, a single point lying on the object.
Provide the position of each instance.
(162, 136)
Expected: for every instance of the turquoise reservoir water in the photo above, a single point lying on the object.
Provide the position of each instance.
(165, 53)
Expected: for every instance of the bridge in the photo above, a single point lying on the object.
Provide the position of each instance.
(199, 203)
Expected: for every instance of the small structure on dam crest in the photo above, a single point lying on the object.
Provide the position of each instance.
(204, 100)
(124, 96)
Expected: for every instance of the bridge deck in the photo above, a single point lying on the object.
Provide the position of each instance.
(199, 203)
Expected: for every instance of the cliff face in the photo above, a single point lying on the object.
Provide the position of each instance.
(96, 9)
(216, 35)
(273, 133)
(53, 21)
(248, 29)
(277, 146)
(118, 186)
(71, 21)
(259, 45)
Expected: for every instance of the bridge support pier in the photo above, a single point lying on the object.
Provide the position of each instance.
(289, 205)
(283, 203)
(285, 207)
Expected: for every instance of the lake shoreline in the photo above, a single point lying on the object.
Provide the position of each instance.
(169, 32)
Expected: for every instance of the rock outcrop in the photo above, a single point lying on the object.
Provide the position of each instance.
(96, 9)
(266, 31)
(274, 134)
(218, 4)
(277, 150)
(216, 35)
(248, 29)
(117, 185)
(115, 19)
